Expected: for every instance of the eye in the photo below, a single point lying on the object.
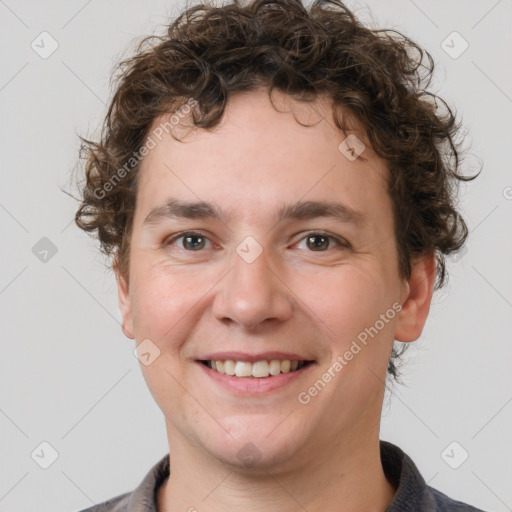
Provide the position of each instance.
(193, 241)
(320, 242)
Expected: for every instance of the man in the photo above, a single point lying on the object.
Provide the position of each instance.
(276, 191)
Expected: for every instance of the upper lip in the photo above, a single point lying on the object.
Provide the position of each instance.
(252, 358)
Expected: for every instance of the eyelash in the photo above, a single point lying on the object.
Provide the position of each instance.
(340, 241)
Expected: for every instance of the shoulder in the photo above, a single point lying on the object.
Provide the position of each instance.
(142, 497)
(446, 504)
(117, 504)
(412, 492)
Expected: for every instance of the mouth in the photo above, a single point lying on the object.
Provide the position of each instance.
(258, 377)
(255, 370)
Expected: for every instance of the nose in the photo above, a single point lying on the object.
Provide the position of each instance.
(253, 293)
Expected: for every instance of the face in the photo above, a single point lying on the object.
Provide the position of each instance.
(294, 260)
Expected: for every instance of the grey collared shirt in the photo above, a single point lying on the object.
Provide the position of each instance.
(412, 495)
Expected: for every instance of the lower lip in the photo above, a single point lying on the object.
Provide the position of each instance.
(255, 385)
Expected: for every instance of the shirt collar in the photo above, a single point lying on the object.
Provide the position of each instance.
(144, 497)
(399, 469)
(403, 474)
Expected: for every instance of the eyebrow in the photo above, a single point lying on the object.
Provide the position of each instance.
(301, 210)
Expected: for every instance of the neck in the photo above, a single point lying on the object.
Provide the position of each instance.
(348, 477)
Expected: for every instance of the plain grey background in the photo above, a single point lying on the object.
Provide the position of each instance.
(68, 375)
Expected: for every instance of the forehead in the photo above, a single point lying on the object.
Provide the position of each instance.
(260, 156)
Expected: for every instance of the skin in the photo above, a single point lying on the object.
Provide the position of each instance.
(320, 456)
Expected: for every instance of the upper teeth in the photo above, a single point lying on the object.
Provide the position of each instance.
(257, 369)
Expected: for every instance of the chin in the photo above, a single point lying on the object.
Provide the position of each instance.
(249, 444)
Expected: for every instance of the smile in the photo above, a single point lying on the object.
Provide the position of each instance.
(257, 369)
(254, 378)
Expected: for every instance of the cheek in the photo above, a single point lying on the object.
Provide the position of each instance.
(343, 301)
(350, 304)
(168, 303)
(163, 312)
(159, 302)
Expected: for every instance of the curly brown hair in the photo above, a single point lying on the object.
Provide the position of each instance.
(210, 52)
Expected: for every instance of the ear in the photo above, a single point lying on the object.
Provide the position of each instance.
(125, 303)
(416, 299)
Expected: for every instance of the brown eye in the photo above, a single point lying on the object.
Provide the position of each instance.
(318, 242)
(322, 242)
(193, 242)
